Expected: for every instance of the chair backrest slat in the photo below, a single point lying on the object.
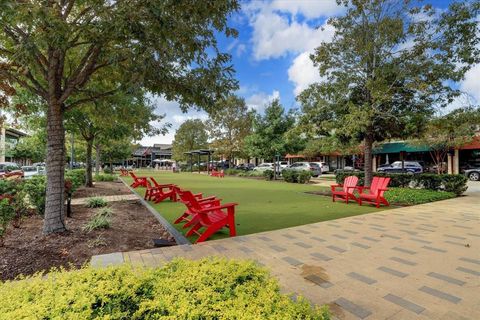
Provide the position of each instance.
(384, 185)
(349, 182)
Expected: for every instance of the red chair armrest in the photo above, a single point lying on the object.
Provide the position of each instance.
(208, 199)
(198, 195)
(223, 206)
(334, 186)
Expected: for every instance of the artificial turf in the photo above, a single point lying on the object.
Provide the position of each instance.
(262, 205)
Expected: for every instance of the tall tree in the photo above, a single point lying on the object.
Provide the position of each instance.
(387, 67)
(445, 133)
(228, 126)
(122, 115)
(269, 133)
(191, 135)
(54, 48)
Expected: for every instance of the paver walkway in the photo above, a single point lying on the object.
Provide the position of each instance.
(419, 262)
(121, 197)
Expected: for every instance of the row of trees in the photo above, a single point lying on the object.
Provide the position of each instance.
(234, 131)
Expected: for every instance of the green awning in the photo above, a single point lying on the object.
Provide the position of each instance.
(397, 147)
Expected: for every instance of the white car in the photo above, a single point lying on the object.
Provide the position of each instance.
(323, 166)
(283, 165)
(264, 166)
(30, 171)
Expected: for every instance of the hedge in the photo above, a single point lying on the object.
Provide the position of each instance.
(295, 176)
(182, 289)
(455, 183)
(409, 197)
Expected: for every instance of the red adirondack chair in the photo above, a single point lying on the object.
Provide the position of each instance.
(138, 181)
(347, 189)
(187, 198)
(162, 192)
(211, 218)
(375, 193)
(151, 191)
(124, 172)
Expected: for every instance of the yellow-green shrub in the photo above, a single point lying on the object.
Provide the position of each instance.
(182, 289)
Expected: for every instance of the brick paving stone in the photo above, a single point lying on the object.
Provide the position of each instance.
(335, 248)
(440, 294)
(470, 271)
(318, 281)
(404, 303)
(353, 308)
(403, 261)
(393, 272)
(434, 249)
(404, 250)
(361, 278)
(292, 261)
(360, 245)
(320, 256)
(470, 260)
(303, 245)
(446, 278)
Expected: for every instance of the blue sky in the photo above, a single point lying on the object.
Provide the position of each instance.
(271, 54)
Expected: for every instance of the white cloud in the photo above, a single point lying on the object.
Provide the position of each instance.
(277, 32)
(174, 115)
(308, 8)
(302, 72)
(471, 83)
(260, 100)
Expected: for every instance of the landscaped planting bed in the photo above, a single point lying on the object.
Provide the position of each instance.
(182, 289)
(129, 226)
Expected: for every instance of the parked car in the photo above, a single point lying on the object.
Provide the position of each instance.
(408, 167)
(245, 166)
(283, 165)
(312, 167)
(264, 166)
(10, 171)
(324, 167)
(473, 174)
(30, 171)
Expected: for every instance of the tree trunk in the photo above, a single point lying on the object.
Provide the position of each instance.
(89, 178)
(97, 158)
(54, 206)
(368, 165)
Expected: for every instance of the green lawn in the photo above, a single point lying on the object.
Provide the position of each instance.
(262, 205)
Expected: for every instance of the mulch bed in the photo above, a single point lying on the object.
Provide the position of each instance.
(26, 250)
(102, 189)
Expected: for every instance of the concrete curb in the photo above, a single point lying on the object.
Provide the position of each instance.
(179, 238)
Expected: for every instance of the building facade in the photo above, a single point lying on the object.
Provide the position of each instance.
(8, 139)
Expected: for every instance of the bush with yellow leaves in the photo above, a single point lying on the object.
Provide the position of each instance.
(182, 289)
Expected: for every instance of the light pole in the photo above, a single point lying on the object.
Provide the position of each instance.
(72, 156)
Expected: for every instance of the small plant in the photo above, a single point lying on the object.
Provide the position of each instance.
(304, 176)
(290, 175)
(97, 242)
(101, 220)
(96, 202)
(105, 177)
(7, 213)
(268, 174)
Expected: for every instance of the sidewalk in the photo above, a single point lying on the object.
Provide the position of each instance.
(420, 262)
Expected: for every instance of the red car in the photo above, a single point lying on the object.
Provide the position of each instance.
(10, 171)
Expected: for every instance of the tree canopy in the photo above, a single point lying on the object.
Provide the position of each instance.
(269, 133)
(388, 66)
(228, 126)
(191, 135)
(56, 48)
